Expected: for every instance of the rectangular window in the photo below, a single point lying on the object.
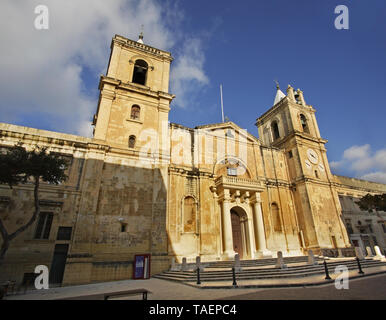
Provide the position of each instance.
(43, 227)
(123, 227)
(290, 155)
(232, 171)
(64, 233)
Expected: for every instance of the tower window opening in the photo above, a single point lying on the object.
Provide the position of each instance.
(297, 98)
(140, 72)
(135, 112)
(316, 174)
(132, 141)
(275, 130)
(303, 122)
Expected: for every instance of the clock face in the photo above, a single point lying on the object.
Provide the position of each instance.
(321, 167)
(312, 156)
(308, 164)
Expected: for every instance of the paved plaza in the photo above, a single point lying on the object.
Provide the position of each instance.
(360, 288)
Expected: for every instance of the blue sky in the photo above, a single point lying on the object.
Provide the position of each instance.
(244, 45)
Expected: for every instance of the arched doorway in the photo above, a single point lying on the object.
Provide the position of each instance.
(239, 231)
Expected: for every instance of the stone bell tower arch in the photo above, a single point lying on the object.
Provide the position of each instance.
(134, 95)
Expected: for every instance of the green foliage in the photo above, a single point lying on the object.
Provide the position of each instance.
(373, 202)
(18, 165)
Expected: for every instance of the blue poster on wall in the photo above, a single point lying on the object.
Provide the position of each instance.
(139, 264)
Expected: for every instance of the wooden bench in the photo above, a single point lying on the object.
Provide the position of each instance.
(6, 287)
(106, 296)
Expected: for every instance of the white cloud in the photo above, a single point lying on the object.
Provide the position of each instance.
(187, 74)
(335, 164)
(375, 176)
(356, 152)
(41, 70)
(363, 163)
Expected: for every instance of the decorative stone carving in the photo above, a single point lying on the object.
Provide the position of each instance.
(280, 261)
(184, 265)
(198, 263)
(311, 258)
(359, 253)
(175, 266)
(237, 263)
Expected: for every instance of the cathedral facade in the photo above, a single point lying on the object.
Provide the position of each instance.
(143, 185)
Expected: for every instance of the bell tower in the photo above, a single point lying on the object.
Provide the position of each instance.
(134, 94)
(290, 125)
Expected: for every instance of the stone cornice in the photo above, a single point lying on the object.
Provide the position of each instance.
(277, 183)
(297, 134)
(43, 136)
(132, 87)
(157, 53)
(190, 172)
(274, 109)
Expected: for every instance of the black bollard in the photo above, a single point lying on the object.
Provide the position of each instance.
(359, 267)
(234, 276)
(326, 270)
(198, 276)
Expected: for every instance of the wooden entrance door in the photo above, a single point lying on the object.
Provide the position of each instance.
(58, 263)
(236, 233)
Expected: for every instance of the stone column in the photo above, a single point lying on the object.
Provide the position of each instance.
(228, 253)
(252, 242)
(262, 250)
(378, 254)
(243, 222)
(369, 252)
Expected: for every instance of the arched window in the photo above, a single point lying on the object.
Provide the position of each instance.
(140, 72)
(132, 141)
(275, 130)
(135, 112)
(189, 214)
(303, 122)
(276, 217)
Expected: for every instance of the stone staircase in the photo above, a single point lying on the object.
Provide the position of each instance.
(259, 262)
(297, 267)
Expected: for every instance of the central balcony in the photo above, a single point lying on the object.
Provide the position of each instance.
(227, 182)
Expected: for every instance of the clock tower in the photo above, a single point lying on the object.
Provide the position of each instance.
(290, 125)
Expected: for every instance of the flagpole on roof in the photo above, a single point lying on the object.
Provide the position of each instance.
(222, 104)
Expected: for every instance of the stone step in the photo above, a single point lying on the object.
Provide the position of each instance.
(260, 269)
(291, 272)
(266, 261)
